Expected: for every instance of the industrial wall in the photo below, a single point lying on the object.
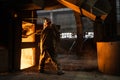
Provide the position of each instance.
(63, 17)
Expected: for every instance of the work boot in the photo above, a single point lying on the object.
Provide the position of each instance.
(41, 71)
(60, 72)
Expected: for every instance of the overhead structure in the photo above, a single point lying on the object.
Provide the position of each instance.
(41, 4)
(89, 8)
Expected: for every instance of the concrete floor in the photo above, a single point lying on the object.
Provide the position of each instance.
(69, 75)
(75, 69)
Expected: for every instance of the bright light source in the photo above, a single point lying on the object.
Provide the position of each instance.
(68, 35)
(27, 58)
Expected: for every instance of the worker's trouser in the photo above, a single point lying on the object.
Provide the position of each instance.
(48, 53)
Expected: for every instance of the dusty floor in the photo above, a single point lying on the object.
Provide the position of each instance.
(69, 75)
(75, 69)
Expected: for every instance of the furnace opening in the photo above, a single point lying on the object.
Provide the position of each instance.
(27, 58)
(27, 51)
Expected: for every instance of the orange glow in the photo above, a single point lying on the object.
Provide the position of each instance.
(108, 57)
(30, 28)
(28, 54)
(27, 58)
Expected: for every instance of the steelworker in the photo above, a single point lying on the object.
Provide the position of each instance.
(47, 47)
